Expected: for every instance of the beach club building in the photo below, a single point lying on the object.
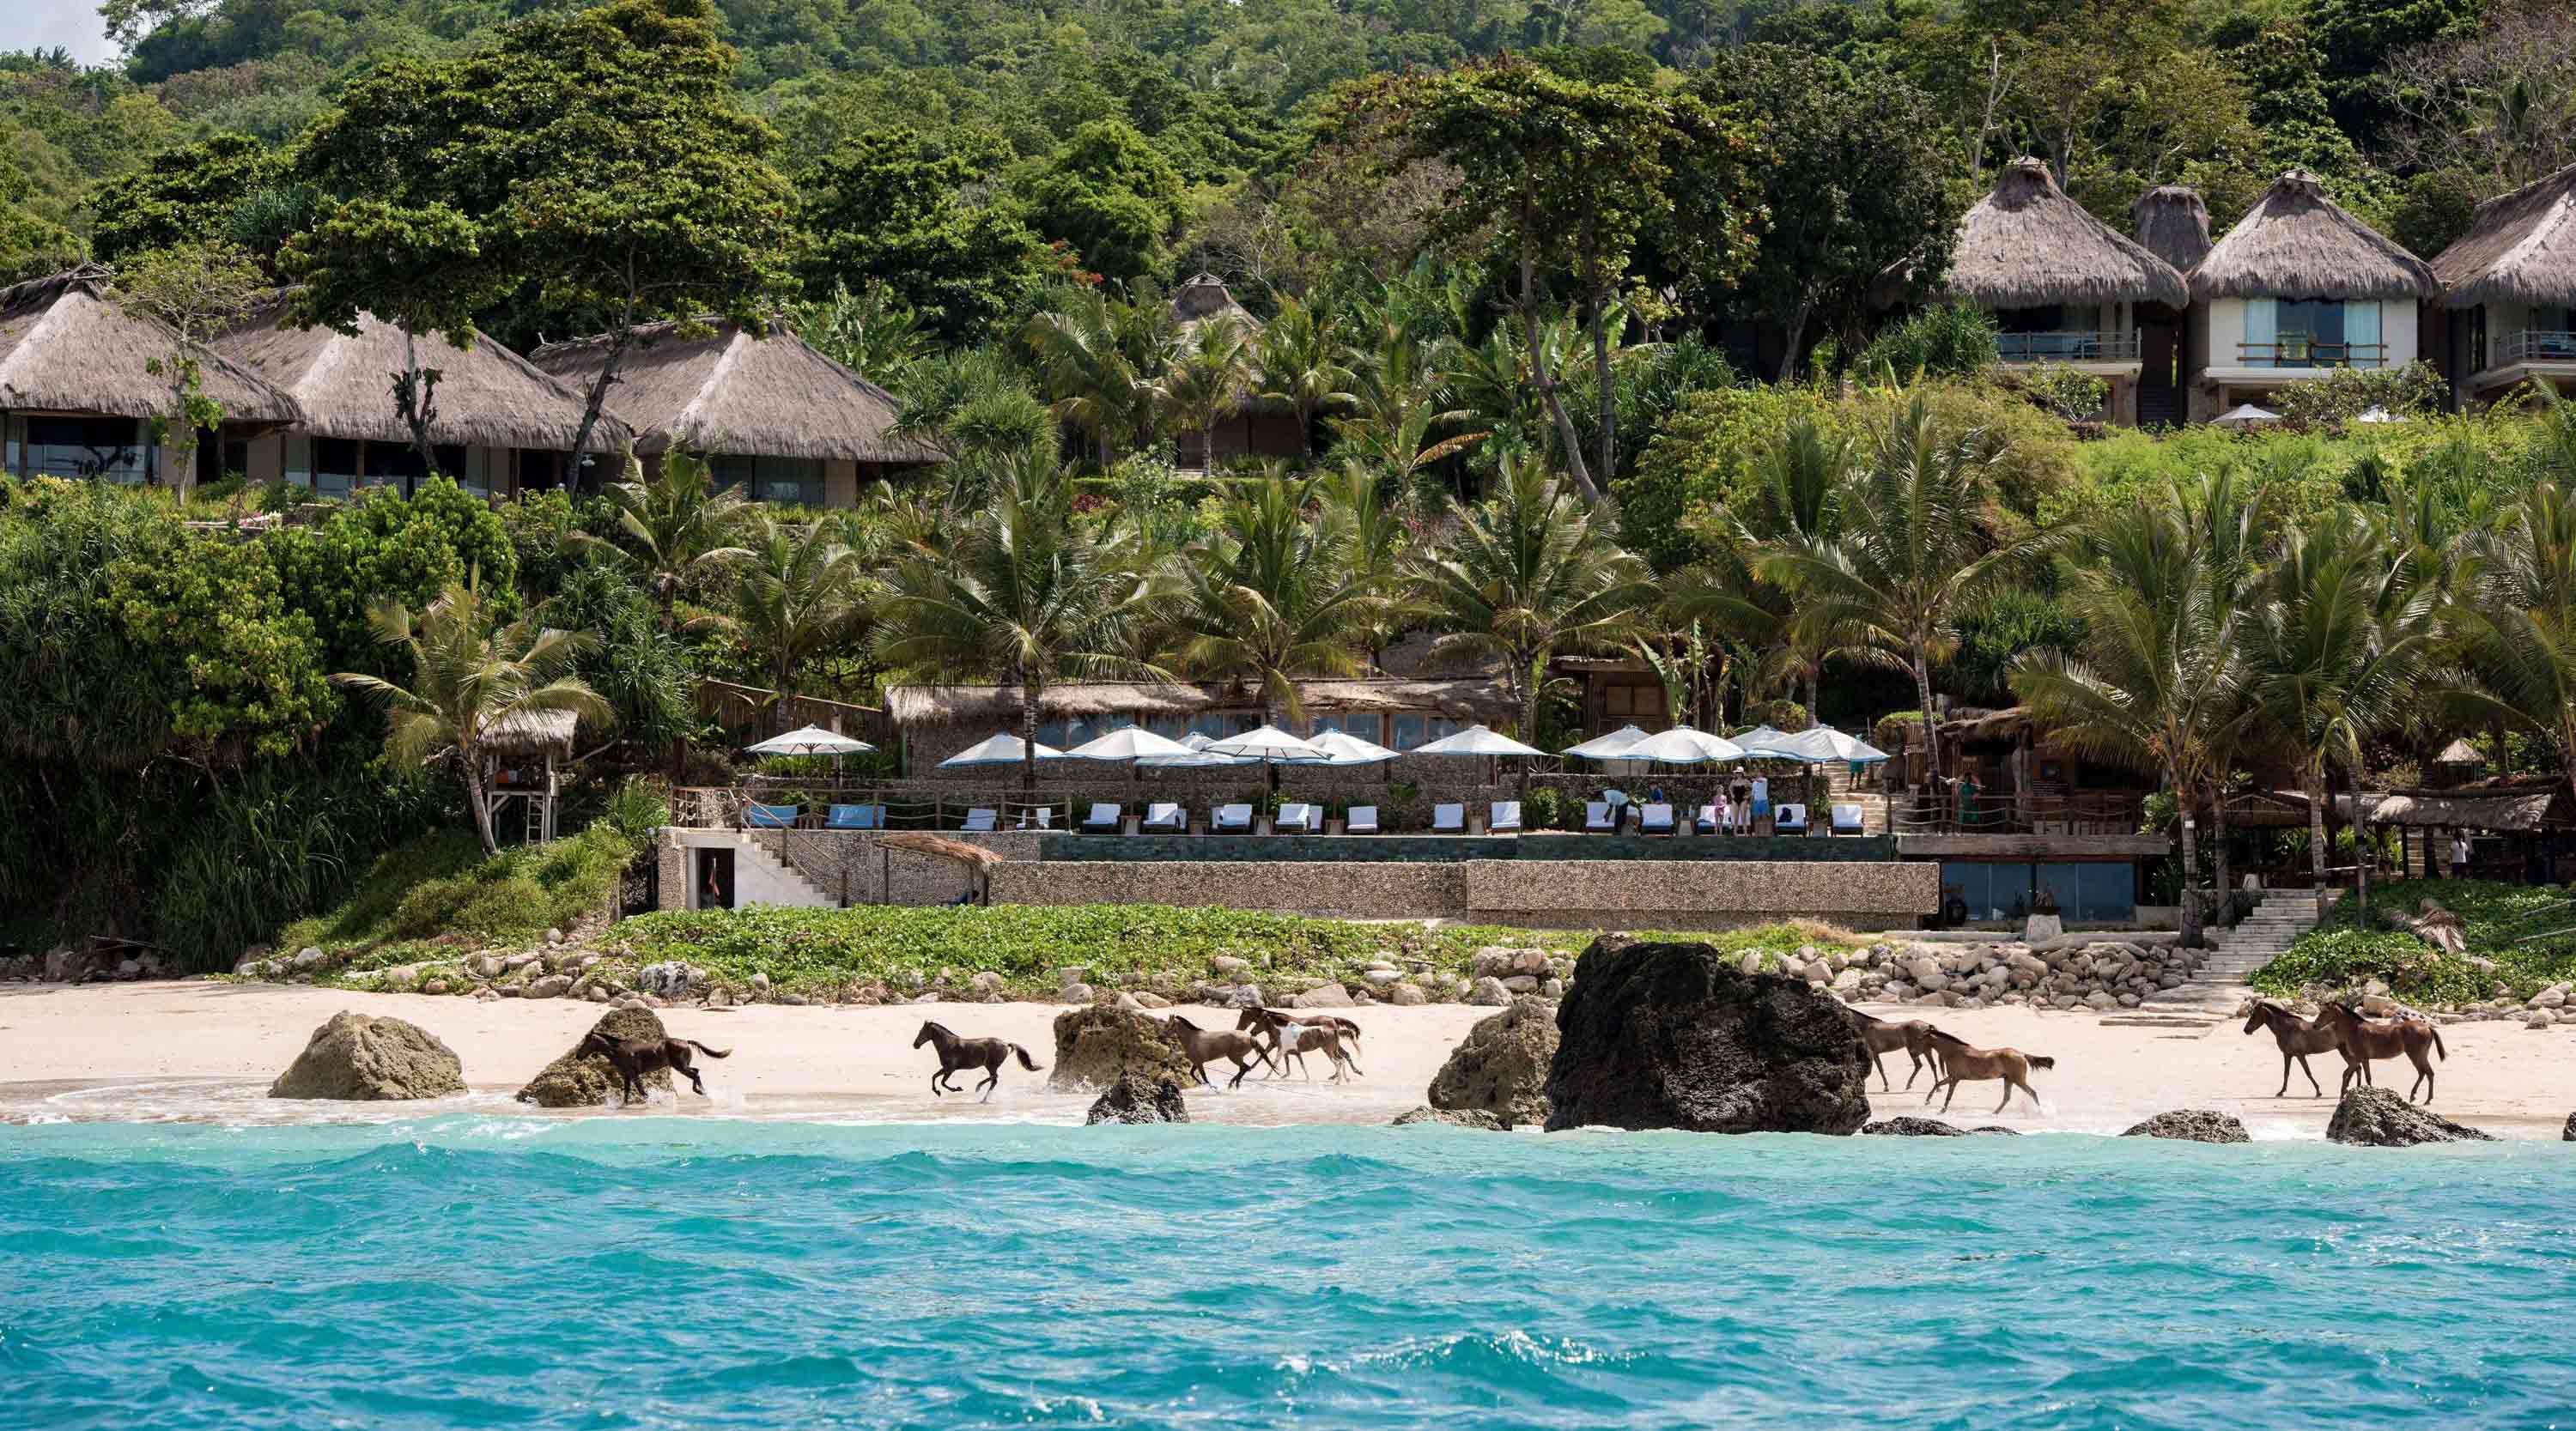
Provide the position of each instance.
(2508, 306)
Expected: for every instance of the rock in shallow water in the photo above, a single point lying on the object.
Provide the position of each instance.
(2378, 1118)
(2192, 1125)
(1461, 1117)
(1098, 1045)
(1500, 1067)
(358, 1057)
(1137, 1098)
(585, 1082)
(1908, 1127)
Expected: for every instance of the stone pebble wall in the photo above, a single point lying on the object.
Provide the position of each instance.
(1508, 891)
(1358, 891)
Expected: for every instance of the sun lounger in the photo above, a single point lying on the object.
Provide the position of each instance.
(1294, 818)
(1506, 817)
(1789, 820)
(1597, 816)
(1655, 820)
(1363, 820)
(756, 816)
(1448, 819)
(1039, 818)
(1706, 821)
(1847, 820)
(984, 821)
(856, 817)
(1103, 819)
(1230, 819)
(1164, 819)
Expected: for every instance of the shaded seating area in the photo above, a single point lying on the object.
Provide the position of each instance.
(856, 817)
(1847, 820)
(1790, 819)
(1295, 818)
(1505, 818)
(1233, 819)
(1448, 819)
(1104, 819)
(1362, 821)
(1164, 818)
(1655, 819)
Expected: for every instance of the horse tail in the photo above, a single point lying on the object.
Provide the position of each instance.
(2444, 1053)
(709, 1052)
(1025, 1061)
(2041, 1060)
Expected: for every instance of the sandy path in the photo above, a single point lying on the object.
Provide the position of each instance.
(208, 1050)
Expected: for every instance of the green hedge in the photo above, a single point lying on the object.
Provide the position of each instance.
(2343, 952)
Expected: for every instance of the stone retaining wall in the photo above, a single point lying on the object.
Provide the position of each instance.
(1380, 890)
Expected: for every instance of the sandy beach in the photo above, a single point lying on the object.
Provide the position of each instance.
(207, 1050)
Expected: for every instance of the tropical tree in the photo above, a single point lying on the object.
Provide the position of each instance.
(1024, 594)
(197, 291)
(1209, 376)
(1097, 357)
(469, 681)
(1271, 594)
(1527, 575)
(2517, 636)
(677, 530)
(975, 406)
(797, 594)
(1305, 361)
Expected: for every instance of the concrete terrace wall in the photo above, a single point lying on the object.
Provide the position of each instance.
(831, 861)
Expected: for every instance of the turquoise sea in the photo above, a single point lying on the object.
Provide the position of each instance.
(475, 1271)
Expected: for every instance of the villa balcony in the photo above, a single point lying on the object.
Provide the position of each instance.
(2296, 352)
(2535, 345)
(2068, 347)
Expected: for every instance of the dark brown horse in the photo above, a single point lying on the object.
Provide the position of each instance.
(2363, 1041)
(2298, 1038)
(1275, 1023)
(1962, 1061)
(635, 1057)
(1200, 1046)
(988, 1054)
(1884, 1036)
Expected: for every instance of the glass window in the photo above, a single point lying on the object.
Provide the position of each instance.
(1050, 733)
(1991, 891)
(1110, 724)
(1409, 732)
(1442, 727)
(107, 449)
(1169, 727)
(398, 464)
(1367, 725)
(796, 481)
(1211, 724)
(2312, 332)
(335, 466)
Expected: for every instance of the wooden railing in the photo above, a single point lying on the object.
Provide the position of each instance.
(2074, 814)
(2305, 353)
(2076, 346)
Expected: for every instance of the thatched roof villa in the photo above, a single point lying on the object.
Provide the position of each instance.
(76, 390)
(2062, 285)
(770, 413)
(2509, 292)
(2172, 222)
(1255, 428)
(2298, 288)
(501, 425)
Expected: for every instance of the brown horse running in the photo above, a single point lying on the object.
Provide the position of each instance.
(2364, 1041)
(955, 1053)
(1298, 1040)
(1200, 1046)
(2298, 1038)
(1962, 1062)
(1273, 1023)
(1884, 1036)
(632, 1058)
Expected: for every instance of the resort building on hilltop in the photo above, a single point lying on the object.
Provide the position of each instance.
(2509, 293)
(1255, 428)
(2172, 223)
(2297, 289)
(499, 425)
(773, 416)
(2062, 286)
(77, 393)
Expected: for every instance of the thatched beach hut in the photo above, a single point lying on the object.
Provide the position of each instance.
(77, 390)
(2298, 288)
(771, 414)
(501, 425)
(1255, 428)
(2509, 292)
(2172, 222)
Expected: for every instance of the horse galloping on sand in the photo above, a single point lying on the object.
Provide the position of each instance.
(988, 1054)
(1964, 1062)
(1305, 1039)
(1200, 1046)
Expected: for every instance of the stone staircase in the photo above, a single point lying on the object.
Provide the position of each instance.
(2276, 922)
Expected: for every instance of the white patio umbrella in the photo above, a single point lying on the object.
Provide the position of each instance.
(1766, 743)
(1001, 748)
(1132, 744)
(2246, 415)
(1682, 745)
(810, 740)
(1606, 747)
(1825, 745)
(1480, 740)
(1271, 746)
(1340, 747)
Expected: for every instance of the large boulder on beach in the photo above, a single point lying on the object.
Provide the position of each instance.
(1136, 1098)
(1677, 1036)
(361, 1057)
(2569, 1135)
(1476, 1118)
(1500, 1067)
(2192, 1125)
(1911, 1127)
(586, 1082)
(2378, 1118)
(1098, 1045)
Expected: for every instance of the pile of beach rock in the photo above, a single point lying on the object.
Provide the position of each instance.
(2102, 974)
(85, 964)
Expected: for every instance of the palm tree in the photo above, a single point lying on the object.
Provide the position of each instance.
(2160, 680)
(1022, 594)
(1271, 594)
(1097, 357)
(678, 527)
(797, 594)
(2336, 641)
(971, 404)
(1378, 542)
(1795, 503)
(1209, 376)
(1531, 573)
(2518, 633)
(1912, 546)
(1306, 363)
(468, 681)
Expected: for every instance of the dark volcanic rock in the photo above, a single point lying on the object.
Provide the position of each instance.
(1500, 1067)
(1998, 1128)
(1137, 1098)
(1675, 1036)
(2378, 1118)
(2192, 1125)
(2569, 1136)
(355, 1056)
(1461, 1117)
(571, 1082)
(1098, 1045)
(1912, 1128)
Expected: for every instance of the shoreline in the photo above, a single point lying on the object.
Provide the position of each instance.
(205, 1051)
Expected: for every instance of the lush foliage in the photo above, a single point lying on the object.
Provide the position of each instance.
(2346, 951)
(443, 887)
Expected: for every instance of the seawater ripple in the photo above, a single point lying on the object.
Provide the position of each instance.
(475, 1271)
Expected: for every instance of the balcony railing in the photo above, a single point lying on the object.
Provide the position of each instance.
(2536, 345)
(2070, 347)
(2305, 353)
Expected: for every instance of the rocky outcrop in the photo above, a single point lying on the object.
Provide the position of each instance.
(1460, 1117)
(1500, 1067)
(586, 1082)
(2569, 1136)
(356, 1056)
(2192, 1125)
(1675, 1036)
(1136, 1098)
(1912, 1128)
(2069, 972)
(2378, 1118)
(1098, 1045)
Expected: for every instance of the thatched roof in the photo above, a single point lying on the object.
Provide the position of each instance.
(2522, 812)
(2521, 248)
(2027, 245)
(67, 346)
(2297, 243)
(1202, 298)
(2459, 752)
(533, 733)
(2173, 224)
(911, 706)
(735, 392)
(922, 842)
(487, 396)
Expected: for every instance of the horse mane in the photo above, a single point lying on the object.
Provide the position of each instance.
(1951, 1038)
(1177, 1019)
(935, 1024)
